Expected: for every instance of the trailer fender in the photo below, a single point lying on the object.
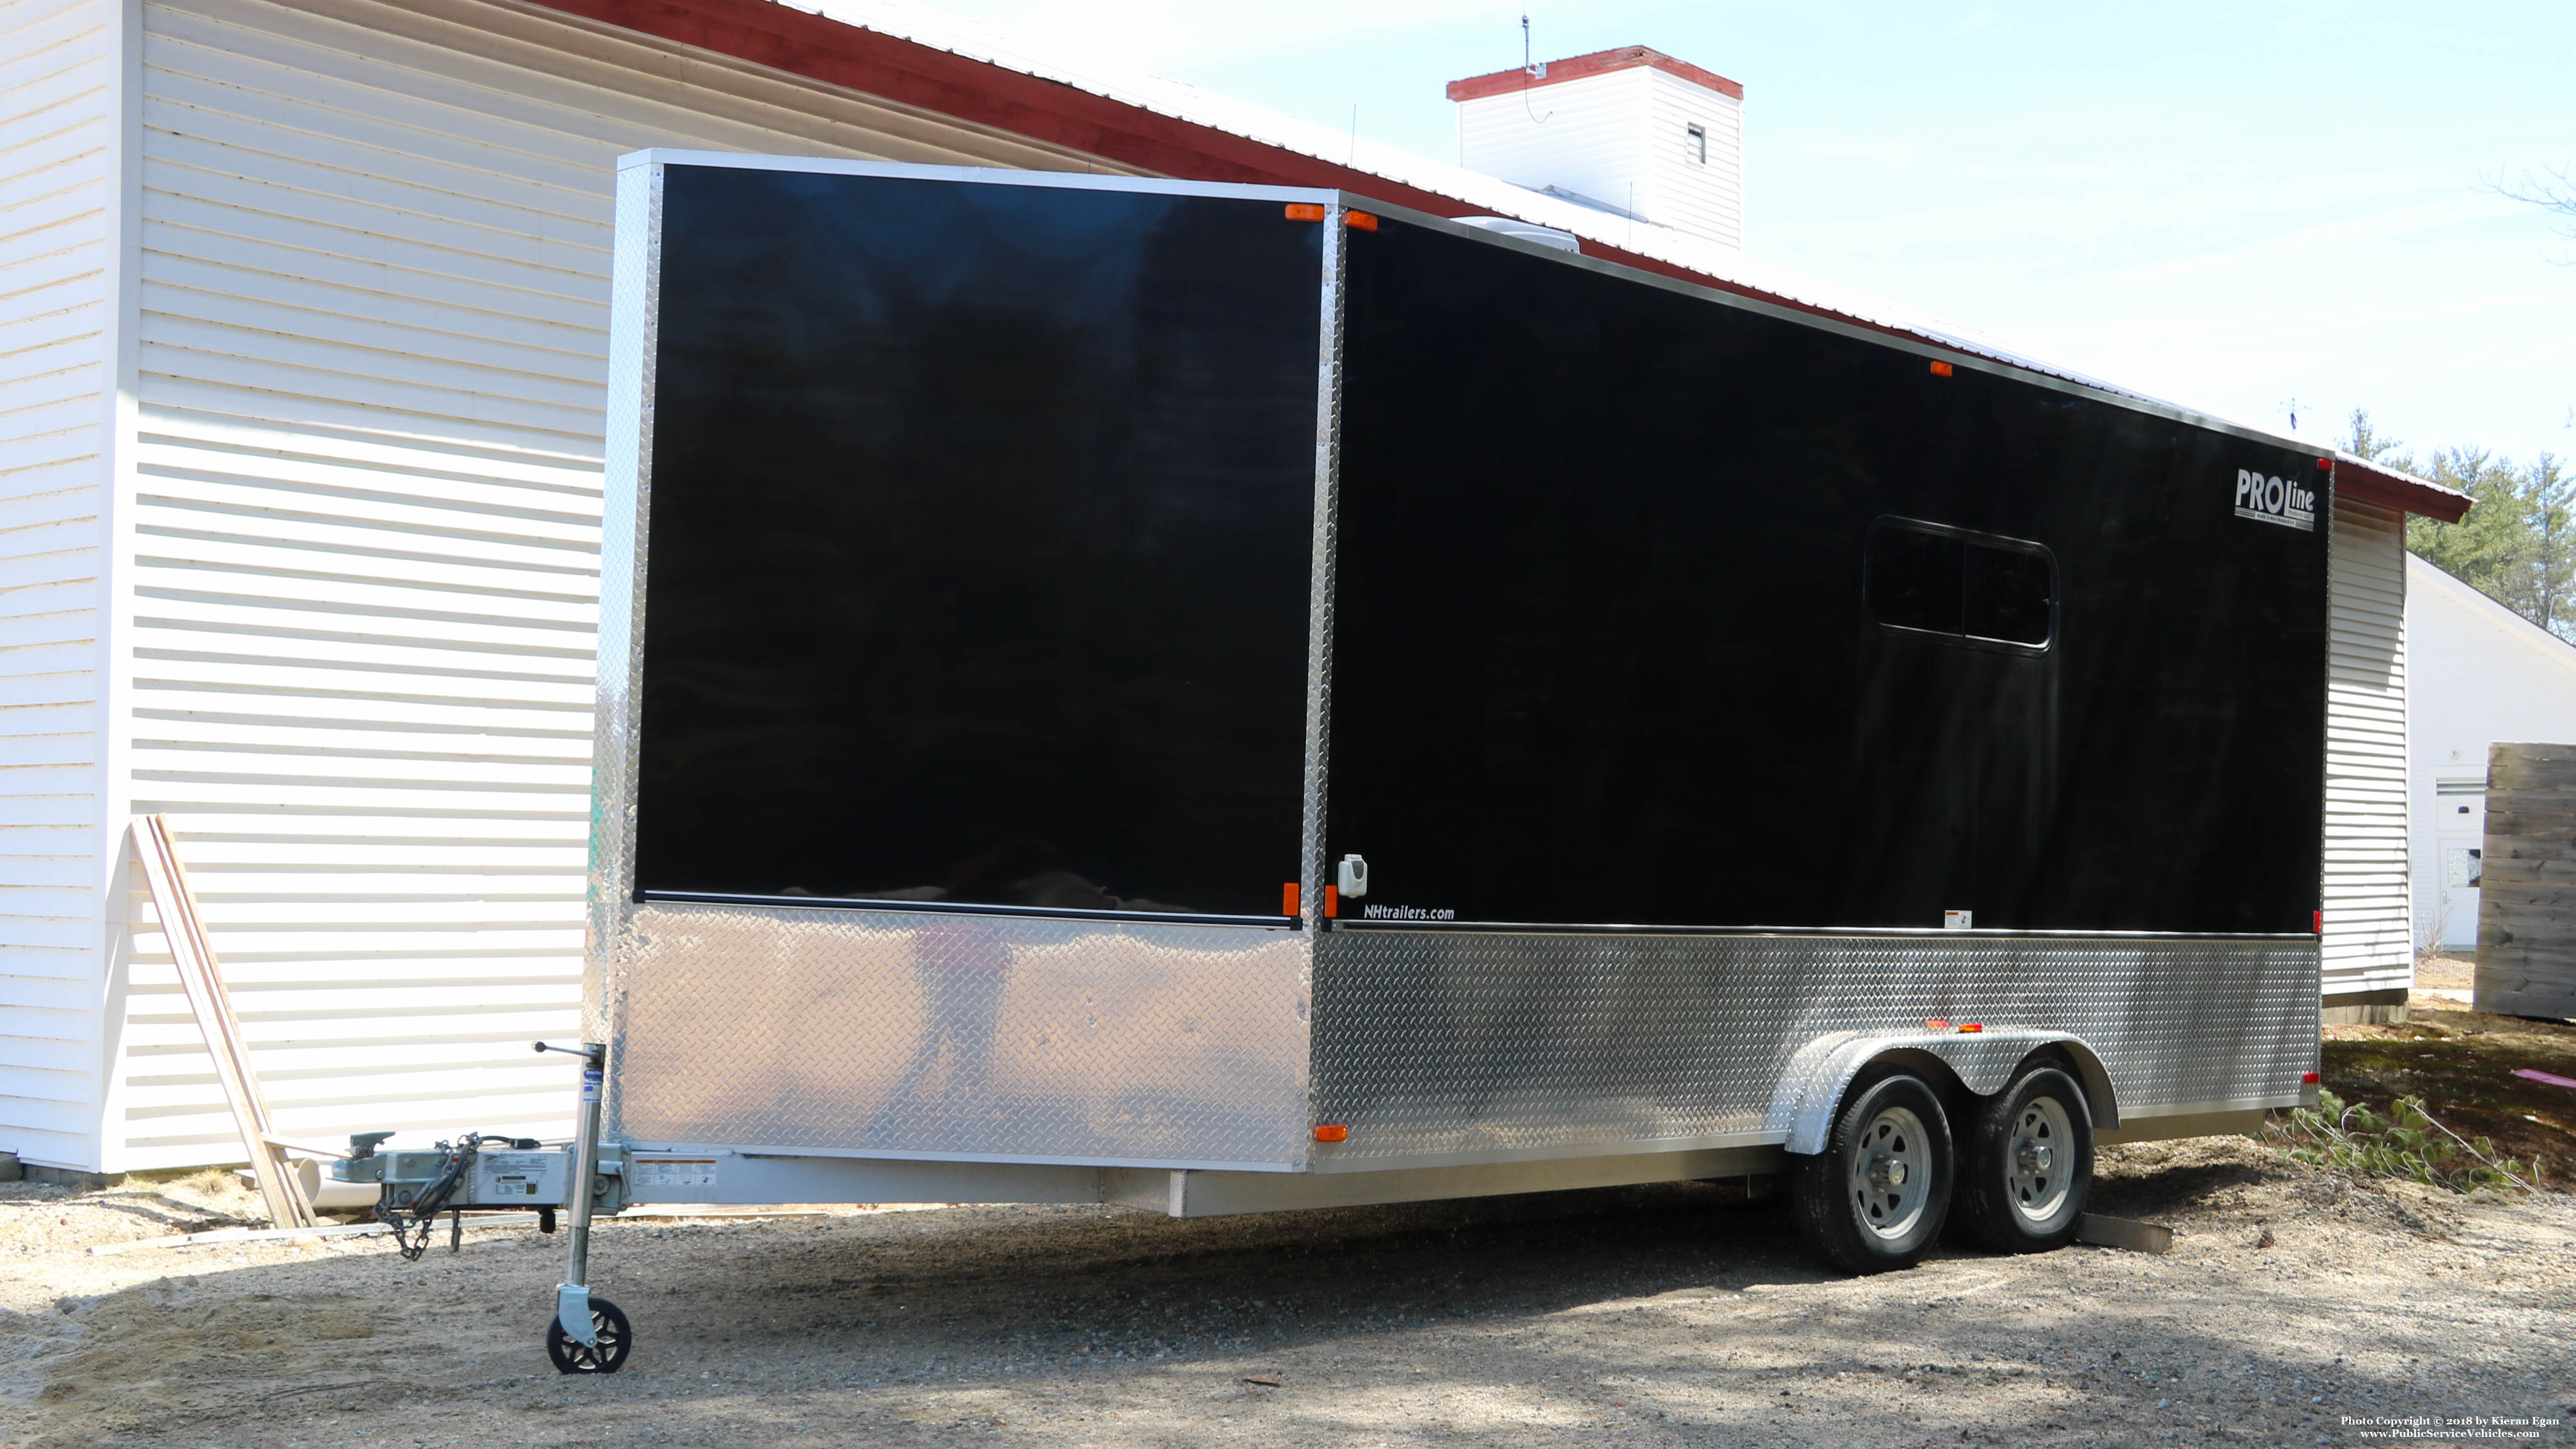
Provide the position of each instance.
(1985, 1062)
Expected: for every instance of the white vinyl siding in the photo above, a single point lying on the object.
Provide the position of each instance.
(2369, 940)
(372, 323)
(1703, 198)
(57, 160)
(1621, 138)
(1584, 136)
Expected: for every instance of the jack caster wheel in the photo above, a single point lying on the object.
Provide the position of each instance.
(572, 1356)
(2026, 1165)
(1874, 1199)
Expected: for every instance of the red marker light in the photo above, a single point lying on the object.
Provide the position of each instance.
(2320, 927)
(1936, 1024)
(2310, 1079)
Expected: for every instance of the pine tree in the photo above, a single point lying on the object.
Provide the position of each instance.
(2518, 543)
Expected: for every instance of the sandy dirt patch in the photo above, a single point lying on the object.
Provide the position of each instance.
(1664, 1316)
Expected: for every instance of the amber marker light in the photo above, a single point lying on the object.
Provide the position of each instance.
(1332, 901)
(1332, 1132)
(1936, 1024)
(1941, 369)
(1305, 211)
(1288, 899)
(1970, 1026)
(1360, 220)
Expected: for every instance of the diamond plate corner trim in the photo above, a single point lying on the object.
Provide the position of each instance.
(1313, 870)
(635, 282)
(1437, 1044)
(981, 1037)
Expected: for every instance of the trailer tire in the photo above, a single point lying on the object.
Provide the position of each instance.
(2026, 1166)
(1875, 1198)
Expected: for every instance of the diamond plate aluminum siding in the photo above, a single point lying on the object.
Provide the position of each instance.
(1441, 1046)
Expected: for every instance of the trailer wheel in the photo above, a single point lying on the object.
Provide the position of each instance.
(572, 1356)
(2027, 1165)
(1875, 1198)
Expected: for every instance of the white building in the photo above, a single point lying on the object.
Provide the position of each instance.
(2482, 673)
(303, 308)
(2369, 955)
(1632, 132)
(299, 466)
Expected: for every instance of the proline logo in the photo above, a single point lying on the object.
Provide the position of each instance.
(2275, 500)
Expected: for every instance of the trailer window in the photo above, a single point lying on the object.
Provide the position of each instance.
(1939, 580)
(1914, 579)
(2008, 594)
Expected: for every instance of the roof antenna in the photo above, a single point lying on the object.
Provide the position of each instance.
(1530, 71)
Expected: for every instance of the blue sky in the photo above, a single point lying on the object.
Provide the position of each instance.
(2235, 206)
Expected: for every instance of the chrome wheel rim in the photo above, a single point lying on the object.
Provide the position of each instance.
(2042, 1159)
(1891, 1173)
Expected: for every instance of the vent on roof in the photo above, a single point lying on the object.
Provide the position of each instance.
(1632, 132)
(1530, 231)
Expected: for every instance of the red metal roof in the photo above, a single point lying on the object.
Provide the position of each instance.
(978, 92)
(2368, 482)
(1599, 62)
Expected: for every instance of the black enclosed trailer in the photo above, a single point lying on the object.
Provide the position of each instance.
(1229, 698)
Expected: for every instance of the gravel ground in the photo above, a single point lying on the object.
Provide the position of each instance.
(1673, 1315)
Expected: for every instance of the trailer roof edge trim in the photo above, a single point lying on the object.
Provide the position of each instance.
(2382, 482)
(944, 64)
(981, 175)
(2356, 478)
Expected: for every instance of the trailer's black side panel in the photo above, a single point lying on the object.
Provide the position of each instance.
(1602, 651)
(980, 545)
